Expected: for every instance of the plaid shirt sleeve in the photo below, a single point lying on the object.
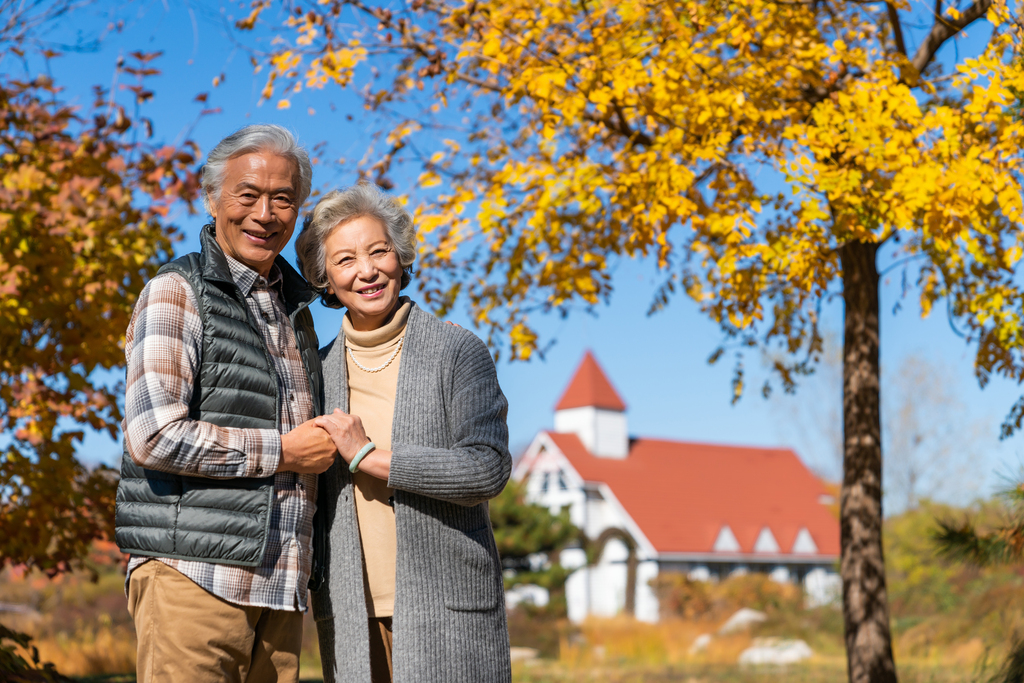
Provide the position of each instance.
(163, 348)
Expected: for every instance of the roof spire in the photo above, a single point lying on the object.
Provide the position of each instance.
(592, 409)
(590, 388)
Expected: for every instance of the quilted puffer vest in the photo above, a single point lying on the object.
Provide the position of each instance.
(224, 521)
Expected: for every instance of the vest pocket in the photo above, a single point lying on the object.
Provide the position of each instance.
(471, 575)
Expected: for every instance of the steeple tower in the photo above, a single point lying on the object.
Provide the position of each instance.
(593, 410)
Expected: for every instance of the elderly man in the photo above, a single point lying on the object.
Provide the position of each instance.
(218, 485)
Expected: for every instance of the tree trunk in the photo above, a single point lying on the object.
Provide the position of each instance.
(862, 566)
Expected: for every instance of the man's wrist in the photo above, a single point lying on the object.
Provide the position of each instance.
(263, 452)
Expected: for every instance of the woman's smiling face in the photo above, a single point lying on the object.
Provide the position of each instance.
(363, 271)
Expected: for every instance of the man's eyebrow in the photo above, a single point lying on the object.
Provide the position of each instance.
(287, 189)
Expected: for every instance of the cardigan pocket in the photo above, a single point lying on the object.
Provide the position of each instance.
(471, 575)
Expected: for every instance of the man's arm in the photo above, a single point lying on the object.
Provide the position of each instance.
(164, 351)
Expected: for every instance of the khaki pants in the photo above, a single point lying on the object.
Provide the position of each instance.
(188, 634)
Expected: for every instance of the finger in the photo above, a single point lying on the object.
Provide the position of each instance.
(336, 420)
(327, 425)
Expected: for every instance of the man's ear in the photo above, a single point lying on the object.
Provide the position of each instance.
(211, 205)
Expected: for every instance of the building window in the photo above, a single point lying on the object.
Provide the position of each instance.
(544, 482)
(563, 485)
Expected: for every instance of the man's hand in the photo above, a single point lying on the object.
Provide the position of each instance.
(307, 449)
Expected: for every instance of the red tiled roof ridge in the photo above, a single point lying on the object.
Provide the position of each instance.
(590, 387)
(680, 494)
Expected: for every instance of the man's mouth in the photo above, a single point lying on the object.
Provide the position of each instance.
(259, 237)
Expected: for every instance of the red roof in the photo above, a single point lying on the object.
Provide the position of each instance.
(682, 494)
(590, 387)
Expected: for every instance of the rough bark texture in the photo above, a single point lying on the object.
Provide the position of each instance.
(865, 604)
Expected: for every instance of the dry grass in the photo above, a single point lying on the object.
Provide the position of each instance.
(950, 623)
(82, 625)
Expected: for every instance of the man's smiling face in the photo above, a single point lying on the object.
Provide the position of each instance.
(256, 211)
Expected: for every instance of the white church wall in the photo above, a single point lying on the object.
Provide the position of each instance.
(605, 433)
(646, 607)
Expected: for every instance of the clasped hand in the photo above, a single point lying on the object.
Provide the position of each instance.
(346, 431)
(307, 449)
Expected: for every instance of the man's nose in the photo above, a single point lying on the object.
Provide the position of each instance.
(261, 210)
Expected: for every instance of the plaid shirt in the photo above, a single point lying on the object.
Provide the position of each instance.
(163, 347)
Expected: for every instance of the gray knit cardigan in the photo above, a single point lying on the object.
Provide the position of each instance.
(449, 457)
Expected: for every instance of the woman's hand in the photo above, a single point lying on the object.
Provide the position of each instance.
(349, 437)
(346, 431)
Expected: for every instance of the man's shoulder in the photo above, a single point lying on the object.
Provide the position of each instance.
(167, 288)
(188, 265)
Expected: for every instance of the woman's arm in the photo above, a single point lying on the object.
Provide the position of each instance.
(478, 464)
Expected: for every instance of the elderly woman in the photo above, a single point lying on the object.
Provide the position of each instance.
(410, 551)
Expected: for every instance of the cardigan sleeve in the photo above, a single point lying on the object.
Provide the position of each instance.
(478, 464)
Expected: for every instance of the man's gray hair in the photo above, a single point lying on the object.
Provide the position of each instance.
(340, 207)
(259, 137)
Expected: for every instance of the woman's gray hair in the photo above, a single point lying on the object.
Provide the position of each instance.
(258, 137)
(340, 207)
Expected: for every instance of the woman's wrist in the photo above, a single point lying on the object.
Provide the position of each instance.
(368, 447)
(377, 463)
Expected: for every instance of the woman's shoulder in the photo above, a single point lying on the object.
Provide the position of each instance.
(445, 333)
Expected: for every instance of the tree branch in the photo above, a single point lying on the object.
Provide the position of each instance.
(943, 30)
(897, 30)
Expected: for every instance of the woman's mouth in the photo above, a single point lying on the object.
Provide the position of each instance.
(371, 292)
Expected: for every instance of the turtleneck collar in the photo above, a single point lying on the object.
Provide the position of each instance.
(382, 335)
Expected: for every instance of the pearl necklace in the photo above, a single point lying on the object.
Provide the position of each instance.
(387, 363)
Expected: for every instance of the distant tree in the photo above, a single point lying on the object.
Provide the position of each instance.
(932, 441)
(759, 152)
(84, 199)
(529, 539)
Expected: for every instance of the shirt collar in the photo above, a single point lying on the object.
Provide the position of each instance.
(247, 279)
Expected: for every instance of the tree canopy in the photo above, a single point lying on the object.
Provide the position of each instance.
(84, 200)
(739, 143)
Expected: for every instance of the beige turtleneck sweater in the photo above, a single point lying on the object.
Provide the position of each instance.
(372, 398)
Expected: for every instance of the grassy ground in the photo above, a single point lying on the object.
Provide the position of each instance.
(950, 623)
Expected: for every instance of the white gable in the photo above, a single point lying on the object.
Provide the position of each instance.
(726, 541)
(766, 542)
(804, 544)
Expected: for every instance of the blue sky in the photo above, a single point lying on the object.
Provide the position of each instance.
(657, 363)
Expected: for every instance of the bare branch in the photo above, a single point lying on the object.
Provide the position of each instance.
(943, 30)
